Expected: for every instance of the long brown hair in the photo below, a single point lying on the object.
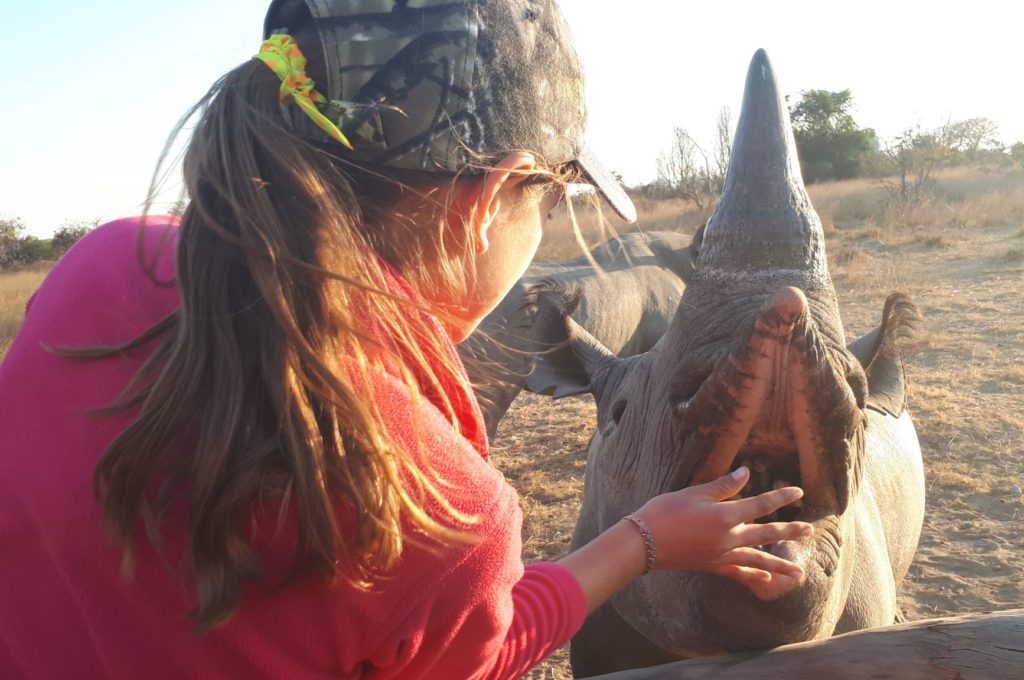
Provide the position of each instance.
(251, 383)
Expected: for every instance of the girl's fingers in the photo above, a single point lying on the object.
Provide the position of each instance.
(765, 585)
(751, 558)
(726, 486)
(743, 574)
(765, 534)
(749, 509)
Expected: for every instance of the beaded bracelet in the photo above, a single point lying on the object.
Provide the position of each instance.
(652, 556)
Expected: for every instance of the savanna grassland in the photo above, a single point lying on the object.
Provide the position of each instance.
(16, 286)
(960, 255)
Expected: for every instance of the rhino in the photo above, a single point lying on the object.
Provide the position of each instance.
(627, 304)
(754, 370)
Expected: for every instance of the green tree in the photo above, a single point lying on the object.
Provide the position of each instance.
(11, 229)
(68, 234)
(830, 142)
(1017, 153)
(969, 138)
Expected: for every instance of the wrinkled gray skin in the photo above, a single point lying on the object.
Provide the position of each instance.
(628, 308)
(754, 369)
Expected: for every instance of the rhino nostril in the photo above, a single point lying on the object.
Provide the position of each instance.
(789, 304)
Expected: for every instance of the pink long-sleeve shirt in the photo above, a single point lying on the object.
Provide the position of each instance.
(67, 610)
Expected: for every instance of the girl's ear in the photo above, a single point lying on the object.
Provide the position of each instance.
(485, 194)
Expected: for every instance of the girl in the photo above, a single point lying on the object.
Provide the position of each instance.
(242, 445)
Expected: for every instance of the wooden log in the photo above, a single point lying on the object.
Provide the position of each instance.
(971, 647)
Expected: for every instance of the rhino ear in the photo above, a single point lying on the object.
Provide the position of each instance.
(565, 356)
(864, 347)
(880, 353)
(683, 260)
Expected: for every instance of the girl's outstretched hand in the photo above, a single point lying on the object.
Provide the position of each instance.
(698, 529)
(695, 529)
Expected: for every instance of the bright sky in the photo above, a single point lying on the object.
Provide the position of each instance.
(93, 89)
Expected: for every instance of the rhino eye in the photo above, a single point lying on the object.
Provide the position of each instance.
(617, 410)
(687, 384)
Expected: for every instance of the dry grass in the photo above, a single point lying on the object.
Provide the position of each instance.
(847, 204)
(964, 199)
(597, 224)
(1012, 256)
(16, 287)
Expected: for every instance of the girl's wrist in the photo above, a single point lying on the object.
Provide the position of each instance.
(650, 550)
(609, 563)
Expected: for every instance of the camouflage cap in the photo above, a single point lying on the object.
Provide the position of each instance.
(435, 84)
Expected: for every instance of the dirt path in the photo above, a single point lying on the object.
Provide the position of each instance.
(967, 401)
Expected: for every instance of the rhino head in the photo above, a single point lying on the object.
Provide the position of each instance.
(754, 370)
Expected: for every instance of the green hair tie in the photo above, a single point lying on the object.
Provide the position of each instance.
(282, 55)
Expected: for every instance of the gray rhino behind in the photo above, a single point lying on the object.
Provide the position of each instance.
(627, 304)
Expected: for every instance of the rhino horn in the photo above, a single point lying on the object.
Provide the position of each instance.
(764, 219)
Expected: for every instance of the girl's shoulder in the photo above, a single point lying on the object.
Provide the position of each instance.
(472, 484)
(111, 286)
(125, 249)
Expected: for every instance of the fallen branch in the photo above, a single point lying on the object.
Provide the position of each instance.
(971, 647)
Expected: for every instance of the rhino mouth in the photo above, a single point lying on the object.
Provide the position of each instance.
(773, 406)
(767, 473)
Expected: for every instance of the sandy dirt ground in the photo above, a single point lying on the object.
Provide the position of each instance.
(967, 400)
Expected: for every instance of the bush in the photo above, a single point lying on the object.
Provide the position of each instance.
(31, 249)
(912, 159)
(17, 248)
(68, 235)
(1017, 153)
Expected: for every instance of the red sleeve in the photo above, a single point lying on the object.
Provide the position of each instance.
(478, 622)
(475, 611)
(549, 608)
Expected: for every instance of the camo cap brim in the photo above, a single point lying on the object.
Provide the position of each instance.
(438, 85)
